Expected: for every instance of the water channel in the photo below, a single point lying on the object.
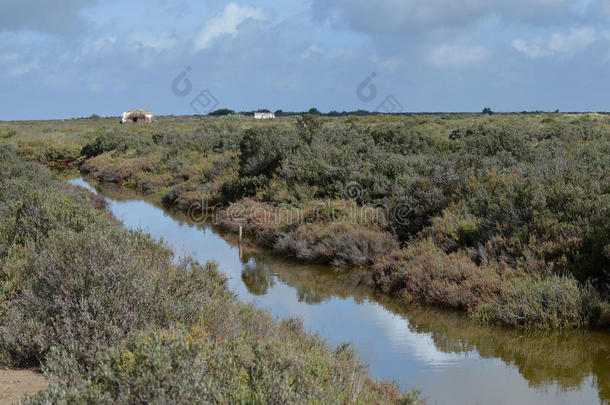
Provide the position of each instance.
(442, 354)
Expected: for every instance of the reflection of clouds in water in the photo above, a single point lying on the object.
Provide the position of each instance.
(418, 345)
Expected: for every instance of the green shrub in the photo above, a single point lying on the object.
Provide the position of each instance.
(70, 254)
(185, 366)
(553, 302)
(9, 134)
(336, 243)
(261, 152)
(110, 141)
(236, 189)
(67, 302)
(333, 233)
(455, 229)
(424, 273)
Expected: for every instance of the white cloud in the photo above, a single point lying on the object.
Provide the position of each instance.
(452, 56)
(570, 44)
(22, 68)
(94, 47)
(17, 65)
(155, 42)
(8, 57)
(310, 51)
(533, 50)
(225, 23)
(389, 64)
(562, 45)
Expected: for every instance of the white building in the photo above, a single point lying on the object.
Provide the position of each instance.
(264, 115)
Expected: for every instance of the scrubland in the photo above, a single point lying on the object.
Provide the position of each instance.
(504, 216)
(112, 316)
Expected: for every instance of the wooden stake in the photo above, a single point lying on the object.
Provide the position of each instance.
(240, 251)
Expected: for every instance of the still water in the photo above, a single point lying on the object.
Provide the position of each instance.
(440, 353)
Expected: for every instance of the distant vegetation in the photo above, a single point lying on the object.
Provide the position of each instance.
(111, 318)
(504, 216)
(221, 112)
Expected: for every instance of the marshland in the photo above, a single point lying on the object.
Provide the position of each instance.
(483, 240)
(304, 202)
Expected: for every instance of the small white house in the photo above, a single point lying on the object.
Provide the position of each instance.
(264, 115)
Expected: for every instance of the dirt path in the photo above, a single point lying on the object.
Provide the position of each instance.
(15, 384)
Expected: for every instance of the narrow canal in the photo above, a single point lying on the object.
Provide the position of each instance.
(449, 359)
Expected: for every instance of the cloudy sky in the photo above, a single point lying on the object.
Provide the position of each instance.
(73, 58)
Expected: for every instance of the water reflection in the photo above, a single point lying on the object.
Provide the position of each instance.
(567, 359)
(257, 276)
(452, 360)
(260, 272)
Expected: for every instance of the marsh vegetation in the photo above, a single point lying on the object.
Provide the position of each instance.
(503, 216)
(112, 317)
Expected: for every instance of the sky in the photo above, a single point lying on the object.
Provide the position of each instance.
(75, 58)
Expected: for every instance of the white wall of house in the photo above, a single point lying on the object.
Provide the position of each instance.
(264, 116)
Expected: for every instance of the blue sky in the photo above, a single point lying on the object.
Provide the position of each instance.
(78, 57)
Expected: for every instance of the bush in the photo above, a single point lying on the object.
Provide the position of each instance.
(412, 213)
(455, 229)
(337, 244)
(67, 302)
(236, 189)
(186, 366)
(109, 141)
(9, 134)
(424, 273)
(554, 302)
(604, 317)
(261, 152)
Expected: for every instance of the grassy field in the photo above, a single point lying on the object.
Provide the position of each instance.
(111, 318)
(503, 216)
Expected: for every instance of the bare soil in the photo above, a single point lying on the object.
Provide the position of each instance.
(16, 384)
